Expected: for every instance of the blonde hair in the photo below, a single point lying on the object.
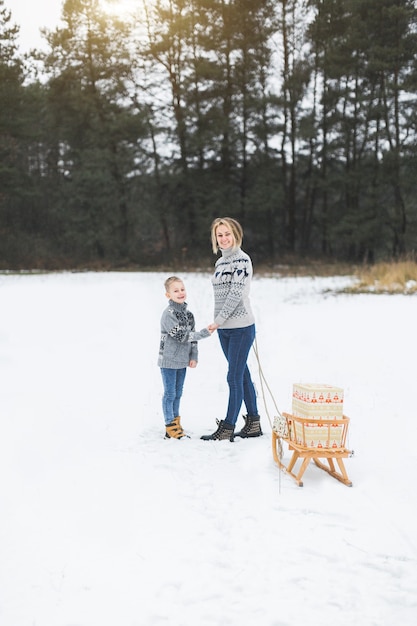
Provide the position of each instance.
(234, 227)
(170, 280)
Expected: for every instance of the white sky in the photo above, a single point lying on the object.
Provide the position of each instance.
(31, 15)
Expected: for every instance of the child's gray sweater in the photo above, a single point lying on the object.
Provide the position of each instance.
(178, 345)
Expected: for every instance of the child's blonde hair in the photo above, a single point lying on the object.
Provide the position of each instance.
(234, 227)
(170, 280)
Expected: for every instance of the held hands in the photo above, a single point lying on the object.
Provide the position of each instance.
(211, 328)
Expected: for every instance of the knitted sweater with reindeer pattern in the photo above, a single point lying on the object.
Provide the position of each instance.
(231, 284)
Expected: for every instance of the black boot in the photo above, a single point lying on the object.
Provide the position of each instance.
(252, 427)
(224, 431)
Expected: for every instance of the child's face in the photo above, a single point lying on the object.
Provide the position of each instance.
(177, 292)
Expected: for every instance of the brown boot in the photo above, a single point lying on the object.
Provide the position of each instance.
(174, 429)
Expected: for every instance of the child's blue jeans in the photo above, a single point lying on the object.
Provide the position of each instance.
(236, 344)
(173, 381)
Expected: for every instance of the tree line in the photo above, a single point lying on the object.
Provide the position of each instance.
(123, 138)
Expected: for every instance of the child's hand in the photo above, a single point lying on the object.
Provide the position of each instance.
(192, 364)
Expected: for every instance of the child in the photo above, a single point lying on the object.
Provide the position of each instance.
(177, 350)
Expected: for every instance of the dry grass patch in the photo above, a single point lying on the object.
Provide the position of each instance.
(399, 277)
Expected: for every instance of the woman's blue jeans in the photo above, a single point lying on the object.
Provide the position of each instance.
(236, 344)
(173, 381)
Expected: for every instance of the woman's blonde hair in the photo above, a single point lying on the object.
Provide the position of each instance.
(234, 227)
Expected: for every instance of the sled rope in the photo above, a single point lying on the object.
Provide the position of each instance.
(263, 382)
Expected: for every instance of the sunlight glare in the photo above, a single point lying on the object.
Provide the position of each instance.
(123, 7)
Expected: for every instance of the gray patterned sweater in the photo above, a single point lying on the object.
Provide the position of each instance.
(178, 344)
(231, 284)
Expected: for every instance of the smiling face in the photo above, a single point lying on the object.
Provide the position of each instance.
(226, 234)
(224, 237)
(176, 292)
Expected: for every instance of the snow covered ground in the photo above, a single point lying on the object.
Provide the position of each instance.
(105, 523)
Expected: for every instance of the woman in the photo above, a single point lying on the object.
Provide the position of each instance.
(235, 324)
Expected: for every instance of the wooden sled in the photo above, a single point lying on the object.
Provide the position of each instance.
(331, 446)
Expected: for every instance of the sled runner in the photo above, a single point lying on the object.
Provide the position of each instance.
(313, 439)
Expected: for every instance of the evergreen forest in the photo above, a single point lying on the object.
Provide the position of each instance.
(127, 134)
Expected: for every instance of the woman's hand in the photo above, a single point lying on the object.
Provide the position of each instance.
(212, 327)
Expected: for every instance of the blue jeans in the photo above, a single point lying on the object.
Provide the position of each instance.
(236, 344)
(173, 381)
